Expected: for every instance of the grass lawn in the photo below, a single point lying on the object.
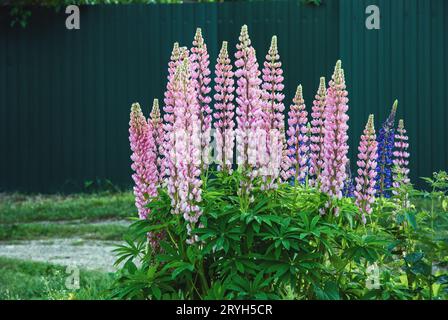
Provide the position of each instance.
(27, 231)
(25, 280)
(16, 208)
(83, 216)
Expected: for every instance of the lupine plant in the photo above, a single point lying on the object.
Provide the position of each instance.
(386, 141)
(221, 230)
(274, 119)
(401, 154)
(298, 139)
(155, 121)
(249, 113)
(335, 138)
(365, 181)
(143, 160)
(201, 77)
(318, 133)
(224, 106)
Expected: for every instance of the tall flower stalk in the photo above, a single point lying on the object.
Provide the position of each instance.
(274, 119)
(158, 134)
(365, 181)
(317, 134)
(143, 160)
(385, 148)
(169, 117)
(201, 76)
(335, 139)
(249, 115)
(187, 146)
(401, 156)
(224, 114)
(298, 138)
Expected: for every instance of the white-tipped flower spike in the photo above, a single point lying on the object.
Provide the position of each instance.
(201, 78)
(298, 138)
(187, 148)
(224, 114)
(365, 181)
(158, 133)
(143, 160)
(401, 156)
(177, 56)
(274, 120)
(335, 139)
(317, 134)
(249, 115)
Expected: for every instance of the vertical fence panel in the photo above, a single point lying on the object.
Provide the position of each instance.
(65, 94)
(409, 66)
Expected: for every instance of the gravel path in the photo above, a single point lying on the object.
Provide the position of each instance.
(90, 254)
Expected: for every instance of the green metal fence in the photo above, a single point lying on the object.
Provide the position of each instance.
(65, 94)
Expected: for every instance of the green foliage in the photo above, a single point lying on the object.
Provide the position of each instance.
(36, 280)
(277, 247)
(419, 223)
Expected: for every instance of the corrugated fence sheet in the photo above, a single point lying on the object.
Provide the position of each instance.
(65, 94)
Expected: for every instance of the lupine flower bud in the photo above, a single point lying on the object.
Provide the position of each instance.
(201, 78)
(385, 148)
(143, 160)
(318, 133)
(401, 155)
(224, 115)
(365, 181)
(298, 138)
(335, 139)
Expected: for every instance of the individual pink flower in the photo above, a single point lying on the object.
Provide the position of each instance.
(201, 77)
(224, 114)
(317, 134)
(158, 133)
(335, 139)
(143, 160)
(367, 162)
(298, 138)
(273, 118)
(249, 115)
(187, 147)
(401, 156)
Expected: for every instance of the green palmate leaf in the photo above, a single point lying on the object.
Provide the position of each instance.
(410, 218)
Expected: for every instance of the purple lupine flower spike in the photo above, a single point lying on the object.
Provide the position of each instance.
(386, 142)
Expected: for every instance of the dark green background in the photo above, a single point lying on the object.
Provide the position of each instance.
(65, 94)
